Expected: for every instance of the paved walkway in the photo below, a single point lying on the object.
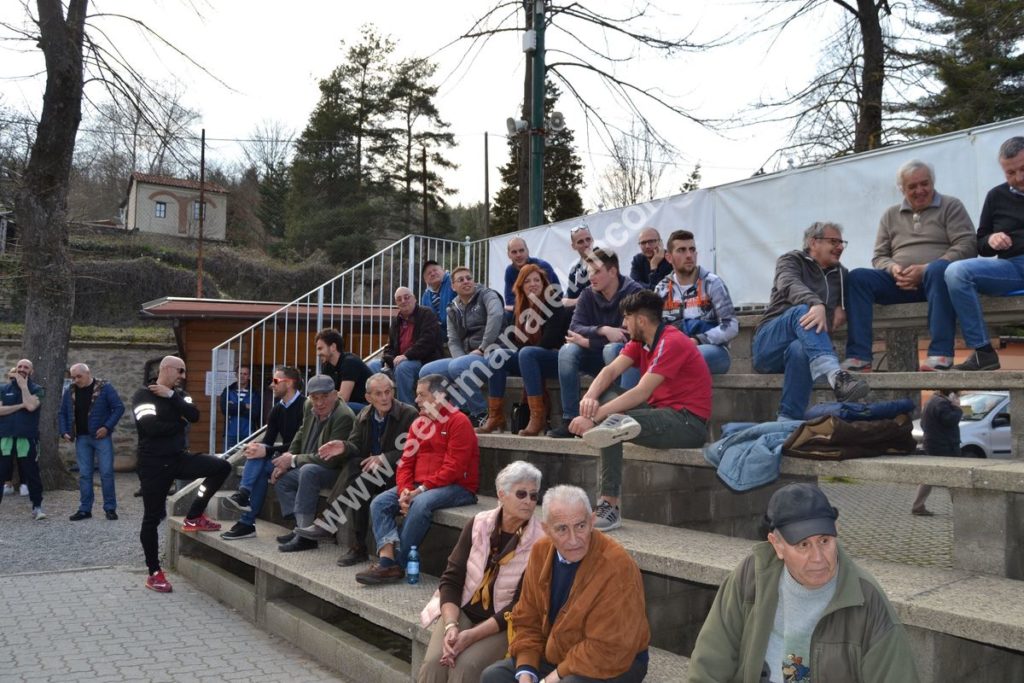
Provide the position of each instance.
(67, 615)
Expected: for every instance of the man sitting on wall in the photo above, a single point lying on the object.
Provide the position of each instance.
(414, 338)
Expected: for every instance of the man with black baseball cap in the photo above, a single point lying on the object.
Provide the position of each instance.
(822, 619)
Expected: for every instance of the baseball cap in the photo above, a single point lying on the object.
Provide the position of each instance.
(319, 384)
(800, 510)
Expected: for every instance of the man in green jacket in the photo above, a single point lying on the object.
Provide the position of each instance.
(822, 619)
(300, 473)
(370, 456)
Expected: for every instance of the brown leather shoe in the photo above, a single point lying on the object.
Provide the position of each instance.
(354, 555)
(377, 574)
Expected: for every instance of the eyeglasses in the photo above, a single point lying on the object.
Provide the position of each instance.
(644, 243)
(181, 371)
(573, 231)
(521, 494)
(835, 242)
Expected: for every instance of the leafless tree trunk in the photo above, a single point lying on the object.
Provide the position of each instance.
(41, 215)
(868, 131)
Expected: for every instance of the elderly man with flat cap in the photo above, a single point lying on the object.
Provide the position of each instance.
(799, 609)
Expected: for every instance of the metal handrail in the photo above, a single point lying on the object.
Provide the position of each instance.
(357, 301)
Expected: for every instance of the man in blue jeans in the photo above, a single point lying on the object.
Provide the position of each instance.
(595, 334)
(1000, 234)
(806, 305)
(282, 424)
(89, 410)
(917, 240)
(440, 468)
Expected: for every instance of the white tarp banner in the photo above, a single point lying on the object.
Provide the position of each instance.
(741, 228)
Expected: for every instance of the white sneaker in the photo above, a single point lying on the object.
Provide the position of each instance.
(8, 489)
(23, 490)
(936, 364)
(607, 516)
(38, 514)
(614, 429)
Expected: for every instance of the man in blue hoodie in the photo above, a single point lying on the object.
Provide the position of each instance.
(19, 432)
(595, 334)
(793, 335)
(89, 410)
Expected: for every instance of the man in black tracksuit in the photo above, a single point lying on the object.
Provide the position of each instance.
(162, 414)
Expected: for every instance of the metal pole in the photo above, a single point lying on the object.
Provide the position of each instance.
(487, 191)
(537, 122)
(426, 227)
(202, 213)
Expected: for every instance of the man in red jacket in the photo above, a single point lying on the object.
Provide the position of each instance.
(439, 468)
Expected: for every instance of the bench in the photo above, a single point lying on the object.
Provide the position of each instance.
(987, 495)
(297, 596)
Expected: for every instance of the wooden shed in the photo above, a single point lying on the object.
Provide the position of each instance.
(258, 339)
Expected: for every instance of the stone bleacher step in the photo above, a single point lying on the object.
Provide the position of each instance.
(977, 607)
(395, 607)
(967, 473)
(999, 379)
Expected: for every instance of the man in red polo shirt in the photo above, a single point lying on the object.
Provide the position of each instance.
(668, 408)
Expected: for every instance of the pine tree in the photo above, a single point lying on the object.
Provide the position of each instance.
(980, 67)
(563, 176)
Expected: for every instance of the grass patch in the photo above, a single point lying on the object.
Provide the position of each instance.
(79, 333)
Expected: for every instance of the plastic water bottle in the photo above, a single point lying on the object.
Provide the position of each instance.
(412, 567)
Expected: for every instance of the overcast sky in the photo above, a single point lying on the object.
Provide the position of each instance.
(272, 53)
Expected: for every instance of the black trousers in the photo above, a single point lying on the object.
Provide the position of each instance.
(28, 472)
(156, 476)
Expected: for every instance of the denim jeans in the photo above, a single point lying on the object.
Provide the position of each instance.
(28, 469)
(406, 374)
(505, 672)
(659, 428)
(574, 360)
(255, 480)
(90, 450)
(782, 345)
(717, 357)
(868, 286)
(466, 375)
(299, 490)
(970, 277)
(384, 509)
(532, 363)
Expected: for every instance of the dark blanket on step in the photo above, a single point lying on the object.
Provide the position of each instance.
(831, 438)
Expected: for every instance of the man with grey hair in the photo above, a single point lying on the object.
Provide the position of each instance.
(799, 609)
(440, 468)
(1000, 234)
(582, 242)
(89, 411)
(519, 255)
(370, 455)
(917, 240)
(300, 473)
(414, 339)
(793, 335)
(581, 613)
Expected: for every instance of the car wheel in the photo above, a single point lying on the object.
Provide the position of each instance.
(972, 452)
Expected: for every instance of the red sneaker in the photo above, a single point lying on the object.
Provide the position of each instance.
(158, 582)
(200, 523)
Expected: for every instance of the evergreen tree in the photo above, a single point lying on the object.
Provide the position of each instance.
(419, 126)
(980, 67)
(563, 176)
(339, 176)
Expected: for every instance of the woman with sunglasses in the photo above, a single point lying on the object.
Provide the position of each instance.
(481, 583)
(529, 348)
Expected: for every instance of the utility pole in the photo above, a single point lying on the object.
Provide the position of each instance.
(426, 228)
(487, 191)
(537, 121)
(202, 213)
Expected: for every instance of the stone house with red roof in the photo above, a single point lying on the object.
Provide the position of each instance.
(170, 206)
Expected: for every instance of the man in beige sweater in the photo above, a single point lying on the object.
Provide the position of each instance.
(917, 240)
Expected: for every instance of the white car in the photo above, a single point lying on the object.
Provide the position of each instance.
(985, 426)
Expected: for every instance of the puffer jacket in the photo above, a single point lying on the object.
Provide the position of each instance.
(105, 409)
(476, 324)
(859, 638)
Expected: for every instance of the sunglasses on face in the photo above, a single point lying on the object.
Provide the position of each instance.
(521, 494)
(278, 380)
(181, 371)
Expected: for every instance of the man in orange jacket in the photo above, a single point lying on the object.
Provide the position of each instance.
(440, 468)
